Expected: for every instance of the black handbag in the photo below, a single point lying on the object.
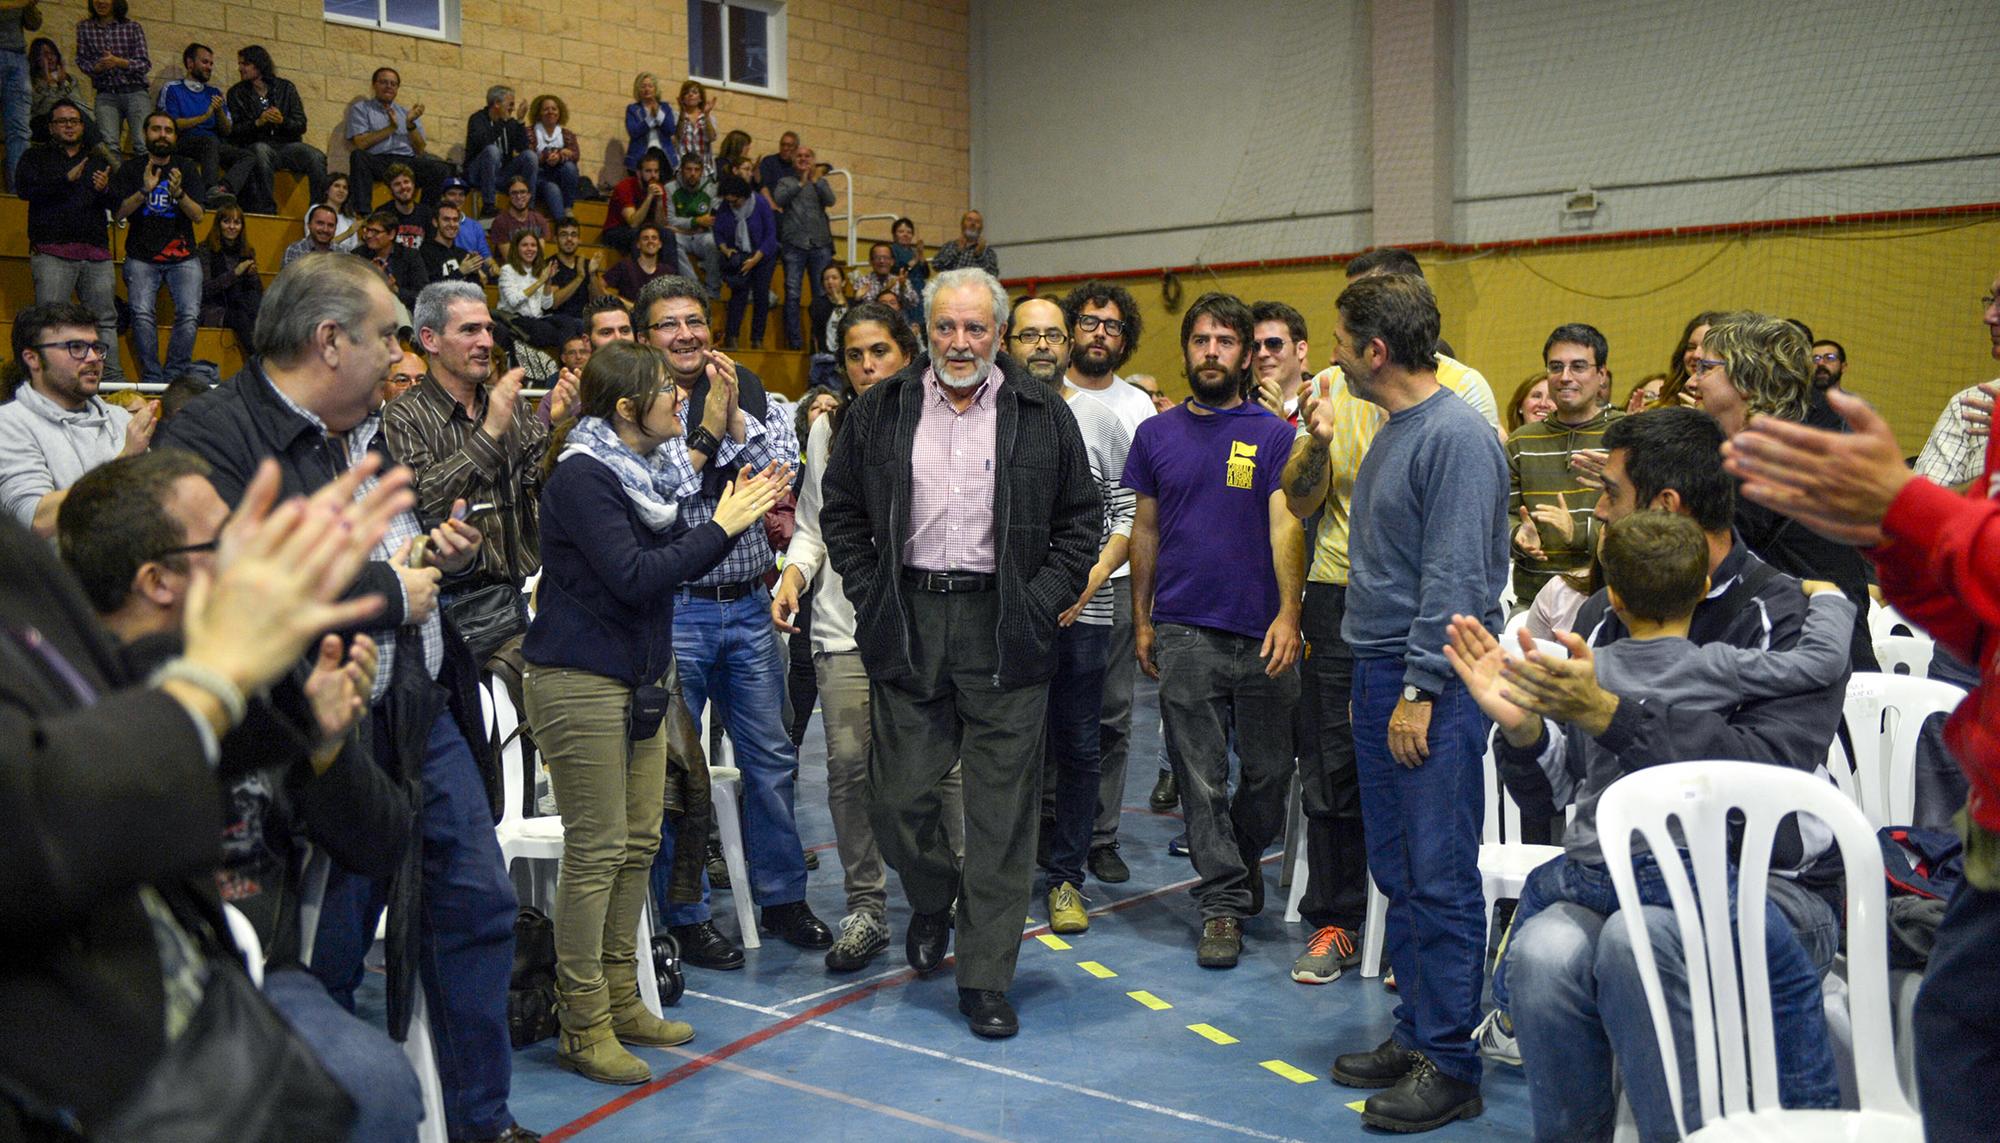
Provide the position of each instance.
(487, 617)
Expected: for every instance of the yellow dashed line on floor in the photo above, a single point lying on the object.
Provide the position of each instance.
(1357, 1105)
(1056, 943)
(1149, 1000)
(1212, 1034)
(1095, 969)
(1288, 1071)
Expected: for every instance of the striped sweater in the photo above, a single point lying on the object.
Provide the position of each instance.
(1538, 466)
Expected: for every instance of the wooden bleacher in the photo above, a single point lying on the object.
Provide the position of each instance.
(270, 234)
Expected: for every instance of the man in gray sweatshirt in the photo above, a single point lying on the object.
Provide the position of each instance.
(57, 428)
(1428, 539)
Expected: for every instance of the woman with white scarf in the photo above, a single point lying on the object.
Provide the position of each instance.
(613, 551)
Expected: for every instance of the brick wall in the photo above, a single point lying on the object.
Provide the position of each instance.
(876, 86)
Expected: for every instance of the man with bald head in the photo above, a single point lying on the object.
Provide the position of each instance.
(968, 249)
(962, 517)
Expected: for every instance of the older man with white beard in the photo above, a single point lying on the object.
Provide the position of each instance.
(963, 519)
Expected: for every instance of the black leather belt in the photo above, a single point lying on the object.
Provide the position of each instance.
(948, 581)
(725, 592)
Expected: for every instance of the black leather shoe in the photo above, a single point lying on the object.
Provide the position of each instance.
(928, 939)
(987, 1013)
(1383, 1067)
(704, 946)
(1107, 866)
(1423, 1100)
(1166, 794)
(796, 924)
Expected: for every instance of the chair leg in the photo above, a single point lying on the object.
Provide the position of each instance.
(649, 980)
(423, 1060)
(731, 827)
(1297, 856)
(1372, 931)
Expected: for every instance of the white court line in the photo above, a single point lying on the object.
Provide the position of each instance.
(1010, 1073)
(843, 1097)
(862, 982)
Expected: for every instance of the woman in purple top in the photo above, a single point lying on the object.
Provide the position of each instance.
(111, 49)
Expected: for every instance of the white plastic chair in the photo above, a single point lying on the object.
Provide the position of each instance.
(1738, 1093)
(725, 784)
(1504, 863)
(1905, 654)
(1885, 716)
(244, 934)
(521, 837)
(1885, 621)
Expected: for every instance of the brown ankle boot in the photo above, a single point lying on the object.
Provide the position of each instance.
(588, 1046)
(631, 1020)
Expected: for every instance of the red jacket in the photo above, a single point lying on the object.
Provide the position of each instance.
(1940, 566)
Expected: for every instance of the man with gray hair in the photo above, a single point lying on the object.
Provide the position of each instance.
(496, 146)
(963, 517)
(325, 338)
(470, 436)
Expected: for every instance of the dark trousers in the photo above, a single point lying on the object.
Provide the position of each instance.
(950, 709)
(1958, 1020)
(801, 683)
(1114, 732)
(548, 333)
(465, 938)
(222, 164)
(1076, 702)
(1211, 680)
(364, 167)
(259, 191)
(753, 289)
(1423, 846)
(1336, 847)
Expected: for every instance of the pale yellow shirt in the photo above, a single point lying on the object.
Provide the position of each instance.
(1355, 424)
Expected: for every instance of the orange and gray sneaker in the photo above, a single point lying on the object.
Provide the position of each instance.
(1330, 950)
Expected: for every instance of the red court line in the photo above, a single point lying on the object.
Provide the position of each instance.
(646, 1091)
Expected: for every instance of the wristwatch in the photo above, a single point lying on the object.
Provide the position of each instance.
(1417, 694)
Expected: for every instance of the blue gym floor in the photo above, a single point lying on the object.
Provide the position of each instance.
(1122, 1036)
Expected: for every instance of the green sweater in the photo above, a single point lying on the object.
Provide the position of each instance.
(1538, 466)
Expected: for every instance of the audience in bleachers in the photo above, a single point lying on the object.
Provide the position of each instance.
(67, 186)
(969, 248)
(202, 126)
(322, 222)
(519, 215)
(638, 199)
(382, 133)
(401, 267)
(158, 194)
(556, 153)
(1556, 534)
(746, 237)
(340, 196)
(648, 260)
(496, 147)
(52, 83)
(444, 259)
(694, 132)
(111, 50)
(691, 217)
(529, 299)
(805, 235)
(56, 428)
(231, 287)
(649, 122)
(269, 124)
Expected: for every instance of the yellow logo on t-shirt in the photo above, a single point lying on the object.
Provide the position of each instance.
(1242, 464)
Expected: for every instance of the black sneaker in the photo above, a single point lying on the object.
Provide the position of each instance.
(1423, 1100)
(1221, 943)
(1107, 866)
(1383, 1067)
(704, 946)
(1166, 794)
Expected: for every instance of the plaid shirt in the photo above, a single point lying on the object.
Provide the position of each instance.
(403, 526)
(773, 438)
(1952, 455)
(123, 38)
(453, 459)
(955, 255)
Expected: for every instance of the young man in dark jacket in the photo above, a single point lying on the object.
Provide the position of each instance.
(68, 190)
(963, 517)
(269, 122)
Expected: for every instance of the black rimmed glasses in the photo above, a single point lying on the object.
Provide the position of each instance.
(79, 350)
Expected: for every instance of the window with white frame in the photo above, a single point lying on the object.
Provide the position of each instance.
(738, 45)
(432, 19)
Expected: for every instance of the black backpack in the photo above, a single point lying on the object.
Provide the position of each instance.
(531, 994)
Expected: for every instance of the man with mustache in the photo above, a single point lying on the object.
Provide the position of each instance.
(1829, 359)
(160, 193)
(1218, 572)
(57, 428)
(1557, 534)
(962, 517)
(1040, 340)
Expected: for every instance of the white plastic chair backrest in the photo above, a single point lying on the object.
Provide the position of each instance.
(1511, 643)
(1884, 621)
(501, 720)
(1699, 797)
(314, 872)
(1904, 654)
(1507, 636)
(244, 934)
(1885, 716)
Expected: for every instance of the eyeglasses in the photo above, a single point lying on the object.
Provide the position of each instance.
(1269, 344)
(1704, 364)
(1825, 358)
(1088, 323)
(189, 549)
(78, 350)
(676, 325)
(66, 121)
(1580, 368)
(1041, 337)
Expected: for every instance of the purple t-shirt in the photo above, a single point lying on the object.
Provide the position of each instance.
(1213, 476)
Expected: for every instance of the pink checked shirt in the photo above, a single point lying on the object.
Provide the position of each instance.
(951, 481)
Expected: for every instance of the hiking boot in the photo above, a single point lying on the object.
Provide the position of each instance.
(1107, 866)
(631, 1021)
(1325, 956)
(587, 1046)
(1221, 943)
(1383, 1067)
(1166, 794)
(1423, 1100)
(1495, 1037)
(863, 937)
(1066, 912)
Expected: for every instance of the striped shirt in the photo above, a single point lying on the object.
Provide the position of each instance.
(952, 460)
(453, 458)
(1952, 455)
(1538, 472)
(1355, 424)
(772, 438)
(1106, 441)
(125, 39)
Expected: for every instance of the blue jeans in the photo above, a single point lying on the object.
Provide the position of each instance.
(126, 109)
(16, 100)
(366, 1064)
(1958, 1020)
(799, 265)
(1076, 702)
(1422, 826)
(465, 942)
(1577, 1002)
(143, 280)
(557, 187)
(487, 173)
(95, 284)
(726, 652)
